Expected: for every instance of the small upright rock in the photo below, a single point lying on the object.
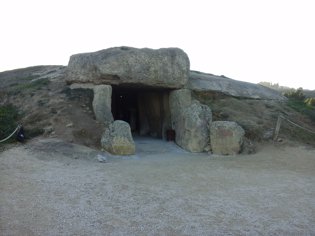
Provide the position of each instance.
(226, 137)
(101, 158)
(69, 125)
(117, 139)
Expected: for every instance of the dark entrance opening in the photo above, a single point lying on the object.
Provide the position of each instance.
(145, 109)
(125, 107)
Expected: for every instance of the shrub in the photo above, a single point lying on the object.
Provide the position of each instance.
(295, 94)
(310, 101)
(303, 108)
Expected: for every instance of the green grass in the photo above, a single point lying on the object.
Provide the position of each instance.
(8, 120)
(295, 132)
(302, 107)
(9, 117)
(28, 85)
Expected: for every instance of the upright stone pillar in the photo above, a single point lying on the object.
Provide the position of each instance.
(190, 120)
(102, 103)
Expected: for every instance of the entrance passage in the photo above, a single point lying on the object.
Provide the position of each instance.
(146, 110)
(125, 107)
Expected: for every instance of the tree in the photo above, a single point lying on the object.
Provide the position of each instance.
(295, 94)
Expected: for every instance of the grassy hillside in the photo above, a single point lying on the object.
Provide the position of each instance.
(259, 117)
(46, 106)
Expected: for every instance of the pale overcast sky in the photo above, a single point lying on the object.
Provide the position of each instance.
(249, 40)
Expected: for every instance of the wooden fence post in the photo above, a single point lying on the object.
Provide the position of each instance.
(277, 129)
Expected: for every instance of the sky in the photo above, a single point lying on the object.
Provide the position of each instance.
(248, 40)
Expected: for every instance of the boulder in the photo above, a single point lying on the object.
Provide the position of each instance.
(192, 132)
(166, 67)
(226, 137)
(202, 82)
(117, 139)
(190, 120)
(102, 103)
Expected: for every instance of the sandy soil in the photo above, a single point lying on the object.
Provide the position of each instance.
(48, 187)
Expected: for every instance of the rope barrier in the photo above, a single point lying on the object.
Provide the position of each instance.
(301, 127)
(17, 128)
(278, 125)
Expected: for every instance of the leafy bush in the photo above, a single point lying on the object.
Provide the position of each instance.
(310, 101)
(298, 102)
(295, 94)
(302, 107)
(8, 119)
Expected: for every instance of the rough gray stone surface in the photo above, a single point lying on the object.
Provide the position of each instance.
(117, 139)
(190, 119)
(166, 67)
(203, 82)
(101, 158)
(226, 137)
(179, 99)
(193, 132)
(102, 103)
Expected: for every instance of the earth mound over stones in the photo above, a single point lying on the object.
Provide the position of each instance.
(152, 91)
(202, 82)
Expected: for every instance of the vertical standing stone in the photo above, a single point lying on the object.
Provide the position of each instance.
(190, 120)
(102, 103)
(178, 100)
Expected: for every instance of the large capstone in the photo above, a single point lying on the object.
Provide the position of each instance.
(202, 82)
(226, 137)
(190, 119)
(117, 139)
(167, 67)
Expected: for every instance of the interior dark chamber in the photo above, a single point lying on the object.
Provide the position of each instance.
(146, 110)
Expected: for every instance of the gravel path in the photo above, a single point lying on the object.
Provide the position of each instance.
(48, 187)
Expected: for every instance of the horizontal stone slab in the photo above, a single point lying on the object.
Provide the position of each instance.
(164, 68)
(203, 82)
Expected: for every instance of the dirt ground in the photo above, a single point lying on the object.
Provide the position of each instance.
(49, 187)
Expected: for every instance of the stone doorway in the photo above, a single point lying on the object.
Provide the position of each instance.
(125, 107)
(145, 109)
